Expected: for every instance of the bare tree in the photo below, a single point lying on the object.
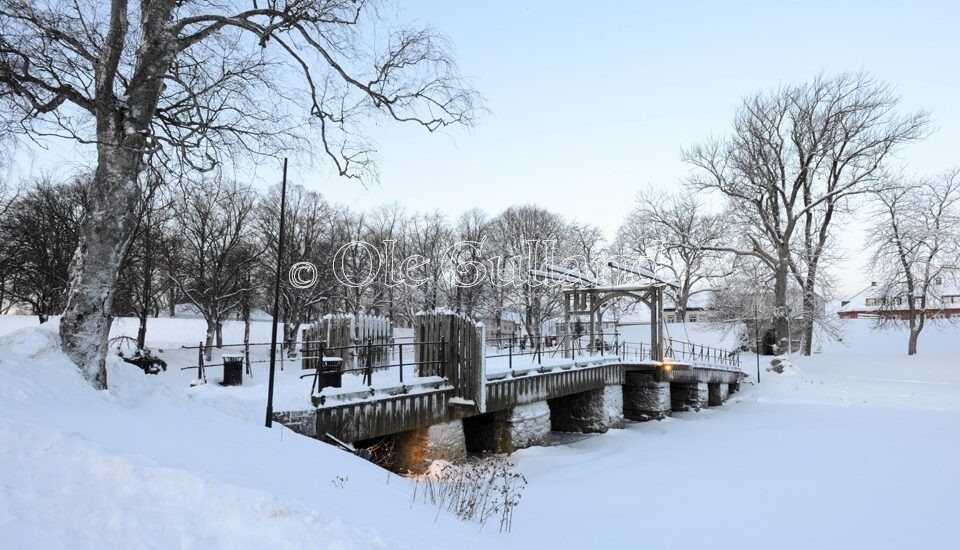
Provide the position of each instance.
(142, 280)
(430, 239)
(309, 238)
(7, 265)
(356, 262)
(214, 220)
(523, 238)
(198, 81)
(40, 231)
(586, 244)
(796, 154)
(387, 230)
(471, 279)
(915, 245)
(675, 236)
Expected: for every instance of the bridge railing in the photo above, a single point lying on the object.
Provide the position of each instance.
(537, 347)
(635, 351)
(388, 360)
(378, 364)
(679, 350)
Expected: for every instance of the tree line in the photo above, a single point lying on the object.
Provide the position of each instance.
(212, 245)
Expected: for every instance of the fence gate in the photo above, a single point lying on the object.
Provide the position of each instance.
(451, 345)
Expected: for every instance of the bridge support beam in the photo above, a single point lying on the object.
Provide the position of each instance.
(734, 387)
(689, 397)
(718, 393)
(506, 431)
(644, 397)
(414, 450)
(594, 411)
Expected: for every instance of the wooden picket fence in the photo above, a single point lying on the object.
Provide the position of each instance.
(351, 337)
(452, 345)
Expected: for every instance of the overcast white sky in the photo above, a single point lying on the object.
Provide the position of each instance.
(590, 102)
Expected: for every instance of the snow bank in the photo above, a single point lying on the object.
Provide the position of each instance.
(148, 465)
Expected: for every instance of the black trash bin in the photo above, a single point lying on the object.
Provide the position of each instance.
(232, 370)
(331, 375)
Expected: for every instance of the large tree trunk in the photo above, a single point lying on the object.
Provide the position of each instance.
(85, 326)
(172, 302)
(142, 330)
(781, 320)
(246, 334)
(917, 319)
(809, 314)
(145, 290)
(290, 329)
(208, 344)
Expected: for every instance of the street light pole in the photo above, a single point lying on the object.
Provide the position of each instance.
(276, 297)
(756, 331)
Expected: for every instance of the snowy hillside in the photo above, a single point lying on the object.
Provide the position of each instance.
(853, 451)
(145, 465)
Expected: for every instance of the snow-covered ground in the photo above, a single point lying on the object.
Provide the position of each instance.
(858, 449)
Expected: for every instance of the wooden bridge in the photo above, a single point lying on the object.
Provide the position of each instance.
(459, 401)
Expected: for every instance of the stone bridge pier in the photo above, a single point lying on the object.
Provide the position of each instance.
(529, 425)
(652, 392)
(686, 396)
(718, 394)
(646, 396)
(593, 411)
(414, 450)
(509, 430)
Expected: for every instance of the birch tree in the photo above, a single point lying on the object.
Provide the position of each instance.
(199, 82)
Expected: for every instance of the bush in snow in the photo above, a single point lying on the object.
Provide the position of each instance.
(476, 491)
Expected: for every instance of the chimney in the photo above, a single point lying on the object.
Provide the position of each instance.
(873, 283)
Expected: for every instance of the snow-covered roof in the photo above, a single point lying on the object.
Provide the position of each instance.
(858, 302)
(700, 300)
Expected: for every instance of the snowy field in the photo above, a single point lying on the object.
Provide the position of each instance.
(857, 449)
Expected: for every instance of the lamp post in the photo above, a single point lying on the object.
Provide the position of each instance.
(756, 331)
(276, 297)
